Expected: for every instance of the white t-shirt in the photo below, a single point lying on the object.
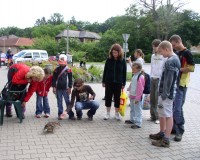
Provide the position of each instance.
(157, 62)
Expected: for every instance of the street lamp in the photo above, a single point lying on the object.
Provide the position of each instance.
(67, 48)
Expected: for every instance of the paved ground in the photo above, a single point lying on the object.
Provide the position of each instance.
(98, 139)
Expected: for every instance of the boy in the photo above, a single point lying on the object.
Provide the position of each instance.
(167, 88)
(157, 62)
(62, 84)
(187, 66)
(84, 99)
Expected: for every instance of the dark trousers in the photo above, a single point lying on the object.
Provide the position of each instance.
(178, 116)
(110, 90)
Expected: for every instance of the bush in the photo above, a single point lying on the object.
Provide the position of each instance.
(96, 73)
(147, 58)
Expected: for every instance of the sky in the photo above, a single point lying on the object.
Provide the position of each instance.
(24, 13)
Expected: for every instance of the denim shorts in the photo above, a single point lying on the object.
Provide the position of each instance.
(165, 107)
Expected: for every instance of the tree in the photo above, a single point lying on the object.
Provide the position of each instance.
(40, 22)
(56, 19)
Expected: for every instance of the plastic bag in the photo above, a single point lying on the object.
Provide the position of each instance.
(123, 102)
(146, 102)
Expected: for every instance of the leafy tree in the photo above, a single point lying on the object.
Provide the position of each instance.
(56, 19)
(40, 22)
(47, 43)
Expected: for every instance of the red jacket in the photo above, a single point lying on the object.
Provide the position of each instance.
(19, 78)
(44, 86)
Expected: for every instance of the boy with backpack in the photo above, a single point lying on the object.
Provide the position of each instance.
(62, 84)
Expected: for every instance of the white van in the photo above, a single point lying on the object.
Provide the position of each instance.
(30, 55)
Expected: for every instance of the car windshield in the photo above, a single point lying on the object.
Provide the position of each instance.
(19, 54)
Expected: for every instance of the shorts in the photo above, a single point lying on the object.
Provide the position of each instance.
(165, 107)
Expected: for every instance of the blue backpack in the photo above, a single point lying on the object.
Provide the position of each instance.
(147, 82)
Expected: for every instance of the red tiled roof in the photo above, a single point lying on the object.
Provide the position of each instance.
(16, 42)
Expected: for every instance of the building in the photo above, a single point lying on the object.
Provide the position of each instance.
(83, 36)
(14, 43)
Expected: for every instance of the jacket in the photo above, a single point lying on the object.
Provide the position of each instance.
(18, 78)
(44, 86)
(114, 71)
(64, 81)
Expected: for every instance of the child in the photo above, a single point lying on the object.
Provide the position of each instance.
(41, 94)
(168, 84)
(81, 92)
(135, 94)
(139, 57)
(62, 84)
(157, 62)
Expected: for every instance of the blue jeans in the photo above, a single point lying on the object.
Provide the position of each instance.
(42, 104)
(92, 105)
(60, 94)
(179, 100)
(136, 112)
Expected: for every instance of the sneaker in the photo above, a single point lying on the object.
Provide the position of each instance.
(129, 122)
(135, 126)
(157, 121)
(107, 116)
(156, 136)
(8, 114)
(72, 118)
(38, 116)
(46, 115)
(60, 117)
(90, 118)
(117, 116)
(178, 137)
(79, 118)
(161, 143)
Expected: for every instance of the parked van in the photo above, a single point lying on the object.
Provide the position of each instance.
(30, 55)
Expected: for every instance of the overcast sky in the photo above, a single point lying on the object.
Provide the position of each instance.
(24, 13)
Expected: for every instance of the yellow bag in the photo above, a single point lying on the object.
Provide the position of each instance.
(123, 101)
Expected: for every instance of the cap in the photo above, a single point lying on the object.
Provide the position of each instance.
(62, 59)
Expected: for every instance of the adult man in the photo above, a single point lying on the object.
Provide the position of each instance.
(187, 66)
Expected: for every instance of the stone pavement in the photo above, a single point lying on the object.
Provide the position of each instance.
(97, 139)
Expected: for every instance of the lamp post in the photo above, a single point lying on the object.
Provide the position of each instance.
(67, 48)
(4, 48)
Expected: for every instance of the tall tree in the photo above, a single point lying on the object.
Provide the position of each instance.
(56, 19)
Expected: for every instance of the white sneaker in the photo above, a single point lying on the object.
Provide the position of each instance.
(117, 116)
(107, 116)
(157, 122)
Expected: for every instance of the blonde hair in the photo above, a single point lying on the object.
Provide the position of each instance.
(165, 45)
(35, 72)
(137, 65)
(140, 53)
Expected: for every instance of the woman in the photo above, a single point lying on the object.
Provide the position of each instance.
(114, 78)
(19, 75)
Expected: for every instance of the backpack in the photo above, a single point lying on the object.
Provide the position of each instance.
(147, 82)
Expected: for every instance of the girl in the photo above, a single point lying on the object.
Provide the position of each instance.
(135, 94)
(114, 78)
(41, 93)
(139, 56)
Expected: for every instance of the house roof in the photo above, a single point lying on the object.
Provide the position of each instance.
(79, 34)
(9, 36)
(10, 42)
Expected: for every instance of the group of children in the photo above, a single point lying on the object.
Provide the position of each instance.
(61, 81)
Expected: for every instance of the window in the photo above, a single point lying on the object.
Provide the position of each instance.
(28, 55)
(36, 55)
(44, 55)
